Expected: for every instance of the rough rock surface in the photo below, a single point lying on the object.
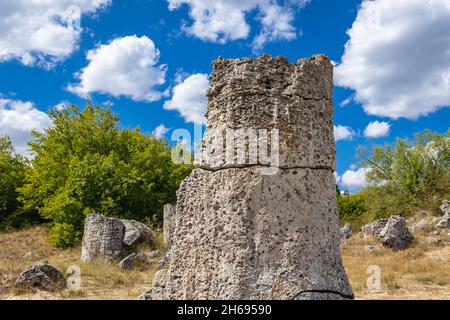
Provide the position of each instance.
(41, 275)
(445, 207)
(136, 233)
(395, 234)
(271, 93)
(373, 229)
(242, 234)
(102, 238)
(346, 231)
(111, 239)
(444, 221)
(128, 262)
(169, 224)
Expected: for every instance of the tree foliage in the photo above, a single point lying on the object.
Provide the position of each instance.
(12, 173)
(85, 163)
(408, 176)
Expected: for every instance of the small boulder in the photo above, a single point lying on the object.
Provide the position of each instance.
(424, 224)
(42, 276)
(373, 229)
(443, 222)
(395, 234)
(346, 231)
(154, 254)
(445, 207)
(102, 238)
(112, 239)
(136, 233)
(128, 262)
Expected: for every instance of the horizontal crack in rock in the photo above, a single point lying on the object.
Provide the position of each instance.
(343, 295)
(245, 166)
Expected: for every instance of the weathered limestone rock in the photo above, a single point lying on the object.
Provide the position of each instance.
(445, 207)
(242, 232)
(102, 238)
(395, 234)
(346, 231)
(136, 233)
(373, 229)
(41, 275)
(444, 221)
(169, 224)
(128, 262)
(111, 239)
(271, 93)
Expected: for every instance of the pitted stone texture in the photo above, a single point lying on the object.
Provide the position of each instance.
(373, 229)
(346, 231)
(241, 235)
(41, 275)
(136, 233)
(102, 238)
(271, 93)
(395, 234)
(169, 224)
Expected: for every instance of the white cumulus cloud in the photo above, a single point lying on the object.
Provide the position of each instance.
(224, 20)
(343, 133)
(377, 129)
(397, 59)
(354, 178)
(160, 131)
(42, 31)
(189, 98)
(18, 119)
(126, 66)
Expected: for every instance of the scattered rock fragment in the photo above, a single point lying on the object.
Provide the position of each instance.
(373, 229)
(42, 276)
(395, 234)
(346, 231)
(128, 262)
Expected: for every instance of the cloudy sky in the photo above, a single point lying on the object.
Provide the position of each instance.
(151, 59)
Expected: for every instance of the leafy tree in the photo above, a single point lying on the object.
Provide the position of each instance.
(85, 163)
(12, 174)
(409, 175)
(352, 207)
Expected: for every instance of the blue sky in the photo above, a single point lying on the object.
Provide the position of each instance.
(394, 73)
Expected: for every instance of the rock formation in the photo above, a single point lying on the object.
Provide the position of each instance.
(373, 229)
(41, 275)
(111, 239)
(395, 234)
(258, 218)
(346, 231)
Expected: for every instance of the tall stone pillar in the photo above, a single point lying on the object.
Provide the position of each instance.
(258, 218)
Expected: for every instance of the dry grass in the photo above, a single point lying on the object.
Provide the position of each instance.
(98, 280)
(419, 272)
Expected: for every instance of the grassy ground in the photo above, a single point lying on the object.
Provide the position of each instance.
(98, 280)
(420, 272)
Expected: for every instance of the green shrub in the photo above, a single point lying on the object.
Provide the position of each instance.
(409, 176)
(85, 163)
(12, 174)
